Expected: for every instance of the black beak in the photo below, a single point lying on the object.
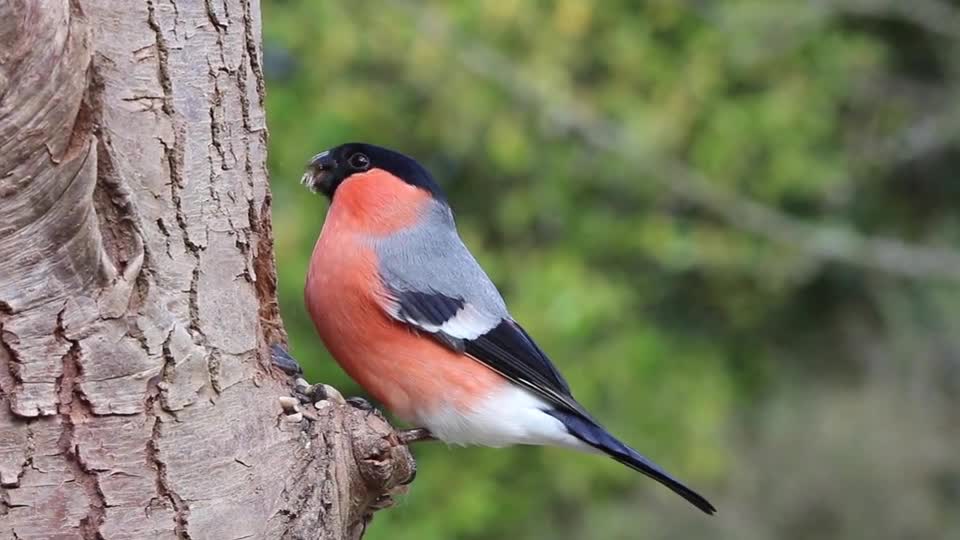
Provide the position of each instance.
(319, 176)
(323, 161)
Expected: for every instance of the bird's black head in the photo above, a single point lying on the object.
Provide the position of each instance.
(327, 170)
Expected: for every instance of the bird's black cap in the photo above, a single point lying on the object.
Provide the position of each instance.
(327, 170)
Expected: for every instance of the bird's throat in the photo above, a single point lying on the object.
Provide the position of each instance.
(377, 203)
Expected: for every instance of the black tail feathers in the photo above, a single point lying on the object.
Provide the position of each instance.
(597, 437)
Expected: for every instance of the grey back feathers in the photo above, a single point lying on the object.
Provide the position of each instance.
(436, 286)
(431, 257)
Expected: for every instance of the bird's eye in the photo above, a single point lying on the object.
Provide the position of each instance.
(359, 162)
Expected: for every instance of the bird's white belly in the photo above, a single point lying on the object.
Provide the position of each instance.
(509, 416)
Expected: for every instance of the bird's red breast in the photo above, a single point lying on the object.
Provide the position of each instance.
(375, 203)
(407, 371)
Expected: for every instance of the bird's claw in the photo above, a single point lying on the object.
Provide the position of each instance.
(358, 402)
(388, 499)
(282, 359)
(410, 436)
(292, 412)
(306, 393)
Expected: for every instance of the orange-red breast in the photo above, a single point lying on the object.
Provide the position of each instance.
(405, 309)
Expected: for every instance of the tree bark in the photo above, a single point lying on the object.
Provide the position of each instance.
(137, 290)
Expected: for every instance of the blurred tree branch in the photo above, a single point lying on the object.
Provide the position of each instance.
(569, 116)
(935, 16)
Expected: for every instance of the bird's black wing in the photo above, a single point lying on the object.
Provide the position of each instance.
(502, 345)
(499, 343)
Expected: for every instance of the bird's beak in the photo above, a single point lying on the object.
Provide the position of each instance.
(319, 174)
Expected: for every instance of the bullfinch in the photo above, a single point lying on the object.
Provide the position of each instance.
(407, 312)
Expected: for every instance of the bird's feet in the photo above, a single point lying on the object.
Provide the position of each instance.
(314, 394)
(282, 359)
(410, 436)
(358, 402)
(305, 395)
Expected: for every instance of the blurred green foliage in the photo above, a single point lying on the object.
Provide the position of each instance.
(804, 396)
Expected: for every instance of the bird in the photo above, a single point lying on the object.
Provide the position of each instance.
(406, 310)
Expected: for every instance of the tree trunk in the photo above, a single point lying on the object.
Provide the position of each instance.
(137, 290)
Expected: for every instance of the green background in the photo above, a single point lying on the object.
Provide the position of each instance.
(733, 225)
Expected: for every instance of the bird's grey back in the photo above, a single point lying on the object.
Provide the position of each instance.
(431, 257)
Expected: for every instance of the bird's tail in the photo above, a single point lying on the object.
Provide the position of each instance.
(589, 432)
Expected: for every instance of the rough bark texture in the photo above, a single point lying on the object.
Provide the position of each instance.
(137, 284)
